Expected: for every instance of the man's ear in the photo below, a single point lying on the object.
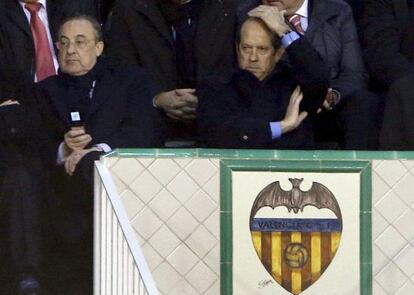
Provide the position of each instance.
(99, 48)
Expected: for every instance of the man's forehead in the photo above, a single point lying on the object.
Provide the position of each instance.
(77, 28)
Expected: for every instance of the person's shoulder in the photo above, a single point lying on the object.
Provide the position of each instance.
(338, 5)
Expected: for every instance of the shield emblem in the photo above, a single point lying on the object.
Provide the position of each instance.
(295, 251)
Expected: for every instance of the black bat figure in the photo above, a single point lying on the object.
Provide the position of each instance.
(274, 196)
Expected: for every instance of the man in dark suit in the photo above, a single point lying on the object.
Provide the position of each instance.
(329, 27)
(180, 43)
(257, 106)
(89, 121)
(27, 55)
(389, 46)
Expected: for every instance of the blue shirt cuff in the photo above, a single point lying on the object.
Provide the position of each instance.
(289, 38)
(276, 130)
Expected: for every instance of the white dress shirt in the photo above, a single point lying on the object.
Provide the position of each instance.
(44, 19)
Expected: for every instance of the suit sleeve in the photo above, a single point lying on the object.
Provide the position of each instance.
(120, 42)
(351, 76)
(382, 40)
(142, 125)
(310, 72)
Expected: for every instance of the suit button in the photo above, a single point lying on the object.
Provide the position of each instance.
(245, 137)
(13, 130)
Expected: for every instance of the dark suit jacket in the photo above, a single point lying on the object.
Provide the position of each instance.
(388, 40)
(332, 32)
(235, 111)
(16, 43)
(140, 35)
(120, 113)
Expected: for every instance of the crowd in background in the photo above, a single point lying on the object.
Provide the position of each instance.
(81, 78)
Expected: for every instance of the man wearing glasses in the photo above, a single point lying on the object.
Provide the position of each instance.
(27, 55)
(90, 108)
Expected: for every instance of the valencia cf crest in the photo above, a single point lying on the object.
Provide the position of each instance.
(295, 251)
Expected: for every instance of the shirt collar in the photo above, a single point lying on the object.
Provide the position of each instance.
(303, 10)
(43, 2)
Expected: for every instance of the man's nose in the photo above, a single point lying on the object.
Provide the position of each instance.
(71, 48)
(253, 55)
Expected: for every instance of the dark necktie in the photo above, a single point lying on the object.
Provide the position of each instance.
(295, 21)
(44, 60)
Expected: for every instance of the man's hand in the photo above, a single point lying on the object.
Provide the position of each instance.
(178, 104)
(9, 102)
(292, 117)
(330, 101)
(273, 18)
(76, 139)
(74, 158)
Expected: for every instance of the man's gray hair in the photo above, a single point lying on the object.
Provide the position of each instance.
(95, 24)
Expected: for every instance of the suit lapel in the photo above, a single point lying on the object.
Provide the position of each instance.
(16, 15)
(149, 9)
(319, 12)
(102, 92)
(211, 20)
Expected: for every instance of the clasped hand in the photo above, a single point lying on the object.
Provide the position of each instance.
(75, 141)
(178, 104)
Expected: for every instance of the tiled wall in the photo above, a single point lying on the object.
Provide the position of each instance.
(173, 205)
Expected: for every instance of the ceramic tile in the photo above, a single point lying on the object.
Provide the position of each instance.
(212, 259)
(201, 277)
(151, 256)
(165, 277)
(201, 241)
(140, 239)
(182, 259)
(379, 188)
(146, 187)
(405, 260)
(391, 278)
(200, 205)
(110, 161)
(377, 289)
(146, 161)
(164, 241)
(388, 248)
(215, 162)
(404, 224)
(407, 289)
(379, 224)
(146, 223)
(391, 171)
(183, 288)
(379, 260)
(119, 184)
(164, 170)
(182, 223)
(201, 170)
(132, 203)
(164, 204)
(214, 290)
(212, 223)
(405, 189)
(183, 161)
(376, 163)
(127, 169)
(391, 207)
(182, 187)
(409, 164)
(212, 188)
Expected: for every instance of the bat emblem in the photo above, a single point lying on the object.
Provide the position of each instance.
(295, 251)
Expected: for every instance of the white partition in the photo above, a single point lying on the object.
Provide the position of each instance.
(172, 199)
(119, 266)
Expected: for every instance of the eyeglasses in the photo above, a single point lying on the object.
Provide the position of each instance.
(79, 43)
